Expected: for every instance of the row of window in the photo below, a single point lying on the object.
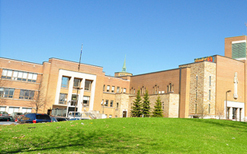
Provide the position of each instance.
(106, 103)
(9, 93)
(63, 99)
(76, 83)
(19, 75)
(113, 89)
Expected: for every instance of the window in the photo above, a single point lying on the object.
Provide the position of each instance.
(163, 105)
(7, 92)
(112, 89)
(124, 90)
(106, 102)
(77, 83)
(103, 87)
(19, 75)
(196, 81)
(26, 94)
(195, 108)
(134, 91)
(196, 94)
(88, 85)
(111, 104)
(62, 98)
(117, 105)
(208, 108)
(118, 89)
(31, 77)
(108, 88)
(6, 74)
(209, 81)
(65, 82)
(74, 99)
(209, 95)
(86, 100)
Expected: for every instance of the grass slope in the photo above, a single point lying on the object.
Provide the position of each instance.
(126, 135)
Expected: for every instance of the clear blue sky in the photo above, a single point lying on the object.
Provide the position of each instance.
(154, 35)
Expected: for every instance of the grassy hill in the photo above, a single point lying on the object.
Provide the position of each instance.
(127, 135)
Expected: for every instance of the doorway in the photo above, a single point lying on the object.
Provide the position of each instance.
(124, 114)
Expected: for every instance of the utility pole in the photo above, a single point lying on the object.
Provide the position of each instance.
(78, 86)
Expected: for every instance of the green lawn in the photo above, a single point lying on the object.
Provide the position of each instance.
(127, 135)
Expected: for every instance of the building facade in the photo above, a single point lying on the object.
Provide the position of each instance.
(210, 87)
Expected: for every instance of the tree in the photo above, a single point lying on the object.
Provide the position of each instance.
(2, 100)
(136, 108)
(146, 105)
(157, 108)
(40, 100)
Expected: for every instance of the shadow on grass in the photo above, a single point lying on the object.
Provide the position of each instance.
(223, 123)
(76, 140)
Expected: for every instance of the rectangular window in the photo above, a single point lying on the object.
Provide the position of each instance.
(124, 90)
(196, 81)
(26, 94)
(195, 108)
(108, 88)
(103, 87)
(209, 95)
(30, 77)
(208, 108)
(24, 76)
(111, 104)
(62, 98)
(106, 102)
(196, 94)
(7, 92)
(112, 89)
(209, 81)
(15, 75)
(86, 100)
(65, 82)
(20, 75)
(74, 99)
(77, 83)
(88, 85)
(118, 89)
(4, 73)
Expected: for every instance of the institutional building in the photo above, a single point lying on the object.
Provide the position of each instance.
(210, 87)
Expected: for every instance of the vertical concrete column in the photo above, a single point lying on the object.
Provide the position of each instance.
(230, 113)
(71, 81)
(91, 104)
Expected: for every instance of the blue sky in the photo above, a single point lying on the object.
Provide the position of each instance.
(154, 35)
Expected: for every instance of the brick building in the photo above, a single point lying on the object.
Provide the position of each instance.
(210, 87)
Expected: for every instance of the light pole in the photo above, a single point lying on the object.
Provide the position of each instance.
(226, 102)
(77, 100)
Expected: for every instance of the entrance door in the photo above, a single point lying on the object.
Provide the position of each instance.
(234, 113)
(124, 114)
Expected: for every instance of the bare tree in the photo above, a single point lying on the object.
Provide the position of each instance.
(202, 110)
(2, 100)
(220, 113)
(40, 100)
